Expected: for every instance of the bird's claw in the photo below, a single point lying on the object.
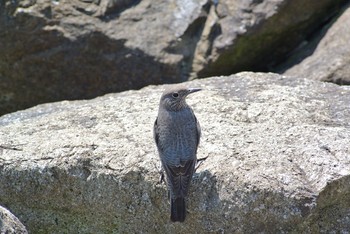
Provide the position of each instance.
(199, 162)
(161, 177)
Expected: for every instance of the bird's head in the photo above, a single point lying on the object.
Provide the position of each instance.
(174, 99)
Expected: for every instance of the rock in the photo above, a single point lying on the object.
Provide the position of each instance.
(257, 35)
(278, 160)
(58, 50)
(55, 50)
(10, 224)
(330, 60)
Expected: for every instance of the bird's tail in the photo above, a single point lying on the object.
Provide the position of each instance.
(178, 209)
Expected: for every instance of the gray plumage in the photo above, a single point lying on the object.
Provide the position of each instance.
(177, 133)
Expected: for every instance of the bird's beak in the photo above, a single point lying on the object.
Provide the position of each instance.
(192, 90)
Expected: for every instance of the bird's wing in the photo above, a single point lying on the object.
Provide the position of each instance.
(179, 178)
(198, 127)
(198, 130)
(155, 131)
(156, 135)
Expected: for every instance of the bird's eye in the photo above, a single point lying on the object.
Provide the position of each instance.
(175, 95)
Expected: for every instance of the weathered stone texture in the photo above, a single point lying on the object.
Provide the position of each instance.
(9, 224)
(59, 50)
(331, 58)
(278, 160)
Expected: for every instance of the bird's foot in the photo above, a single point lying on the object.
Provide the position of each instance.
(161, 173)
(199, 162)
(161, 177)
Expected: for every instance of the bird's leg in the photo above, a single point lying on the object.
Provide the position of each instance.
(199, 162)
(161, 177)
(161, 174)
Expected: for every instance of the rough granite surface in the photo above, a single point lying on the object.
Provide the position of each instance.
(9, 224)
(278, 160)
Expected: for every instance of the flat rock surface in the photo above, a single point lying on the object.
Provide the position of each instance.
(278, 160)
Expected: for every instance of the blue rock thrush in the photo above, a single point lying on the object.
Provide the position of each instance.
(177, 133)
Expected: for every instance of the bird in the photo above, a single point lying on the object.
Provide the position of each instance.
(177, 134)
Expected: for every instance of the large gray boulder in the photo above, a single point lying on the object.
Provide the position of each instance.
(331, 58)
(256, 35)
(278, 160)
(10, 224)
(55, 50)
